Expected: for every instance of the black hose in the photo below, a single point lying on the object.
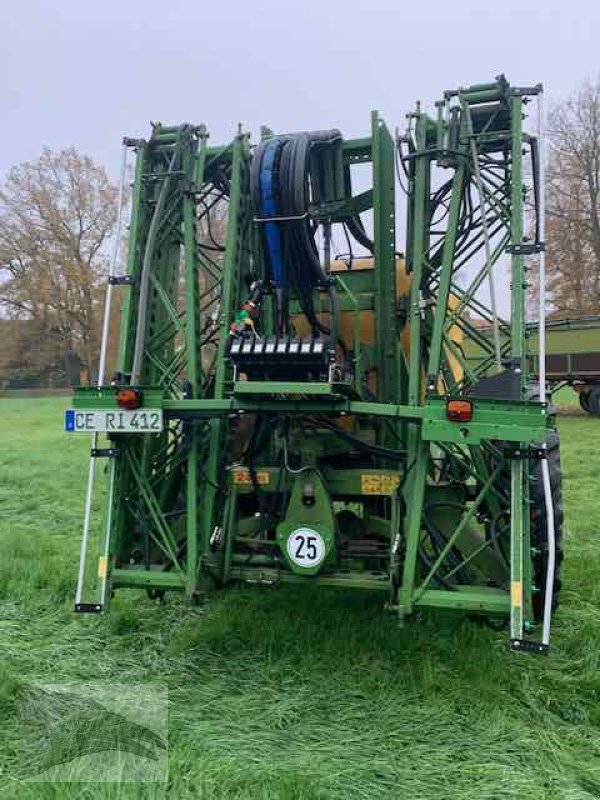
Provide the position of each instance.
(373, 449)
(355, 225)
(438, 538)
(301, 267)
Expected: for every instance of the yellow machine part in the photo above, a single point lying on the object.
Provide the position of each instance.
(367, 318)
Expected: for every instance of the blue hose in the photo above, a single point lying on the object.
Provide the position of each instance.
(269, 209)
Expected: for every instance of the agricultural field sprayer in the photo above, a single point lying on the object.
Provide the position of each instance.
(286, 408)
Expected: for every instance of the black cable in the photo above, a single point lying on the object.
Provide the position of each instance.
(427, 563)
(258, 441)
(437, 536)
(355, 225)
(397, 162)
(349, 243)
(301, 266)
(374, 449)
(216, 245)
(357, 229)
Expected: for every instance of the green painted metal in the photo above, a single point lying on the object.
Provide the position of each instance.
(440, 323)
(237, 222)
(429, 510)
(386, 332)
(312, 512)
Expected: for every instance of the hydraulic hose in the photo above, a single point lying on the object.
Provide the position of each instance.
(283, 183)
(355, 225)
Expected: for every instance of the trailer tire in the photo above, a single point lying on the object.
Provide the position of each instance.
(584, 399)
(538, 529)
(589, 400)
(594, 401)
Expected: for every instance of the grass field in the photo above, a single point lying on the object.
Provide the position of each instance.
(300, 694)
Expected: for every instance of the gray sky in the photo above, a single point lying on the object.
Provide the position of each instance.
(85, 72)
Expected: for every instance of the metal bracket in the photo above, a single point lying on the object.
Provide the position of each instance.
(290, 218)
(529, 646)
(121, 280)
(526, 91)
(431, 383)
(523, 453)
(104, 452)
(128, 141)
(88, 608)
(526, 248)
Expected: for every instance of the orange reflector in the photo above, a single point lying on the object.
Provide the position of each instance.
(459, 410)
(129, 398)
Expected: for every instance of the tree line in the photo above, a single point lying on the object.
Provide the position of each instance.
(573, 204)
(58, 215)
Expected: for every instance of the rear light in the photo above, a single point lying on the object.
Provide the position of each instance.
(129, 398)
(459, 410)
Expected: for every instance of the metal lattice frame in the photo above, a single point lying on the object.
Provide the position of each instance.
(485, 160)
(154, 522)
(174, 519)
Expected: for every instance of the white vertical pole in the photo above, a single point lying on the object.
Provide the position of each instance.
(89, 495)
(86, 523)
(112, 270)
(551, 566)
(542, 262)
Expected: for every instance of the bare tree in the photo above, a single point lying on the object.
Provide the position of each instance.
(57, 215)
(573, 203)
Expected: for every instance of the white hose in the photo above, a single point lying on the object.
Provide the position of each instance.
(86, 523)
(551, 566)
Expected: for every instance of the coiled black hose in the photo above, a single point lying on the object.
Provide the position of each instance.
(300, 267)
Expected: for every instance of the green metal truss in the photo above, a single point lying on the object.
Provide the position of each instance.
(448, 513)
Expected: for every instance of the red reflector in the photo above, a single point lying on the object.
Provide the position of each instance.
(459, 410)
(129, 398)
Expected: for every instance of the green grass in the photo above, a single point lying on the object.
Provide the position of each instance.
(293, 693)
(566, 397)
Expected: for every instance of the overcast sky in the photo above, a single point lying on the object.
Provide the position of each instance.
(85, 72)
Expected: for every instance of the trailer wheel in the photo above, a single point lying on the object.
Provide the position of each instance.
(584, 400)
(589, 400)
(539, 534)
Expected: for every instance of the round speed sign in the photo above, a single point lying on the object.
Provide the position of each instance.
(305, 547)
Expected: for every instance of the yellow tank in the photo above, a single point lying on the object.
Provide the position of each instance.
(367, 317)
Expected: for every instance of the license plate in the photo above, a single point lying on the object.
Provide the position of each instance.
(143, 420)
